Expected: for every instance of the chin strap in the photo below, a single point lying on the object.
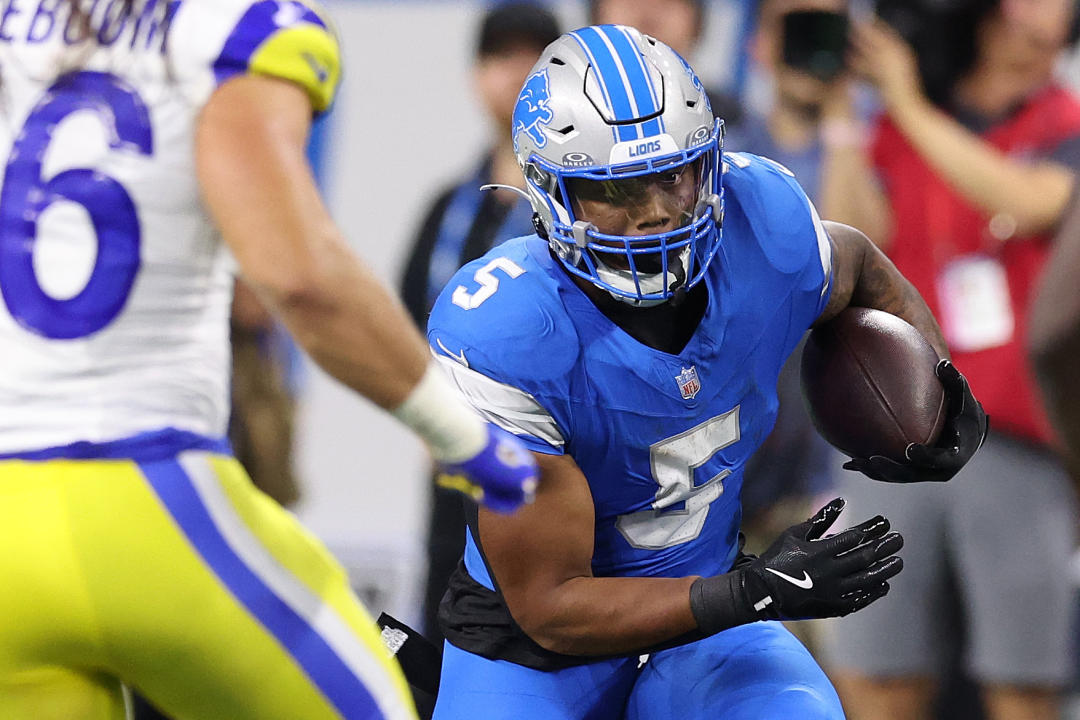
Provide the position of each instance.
(648, 284)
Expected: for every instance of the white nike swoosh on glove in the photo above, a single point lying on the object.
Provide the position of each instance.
(805, 583)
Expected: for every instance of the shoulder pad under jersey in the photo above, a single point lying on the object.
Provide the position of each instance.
(503, 315)
(784, 221)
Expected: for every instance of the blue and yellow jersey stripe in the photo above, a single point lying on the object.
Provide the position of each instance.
(288, 40)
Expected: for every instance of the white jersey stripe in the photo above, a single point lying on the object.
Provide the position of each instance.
(824, 248)
(508, 407)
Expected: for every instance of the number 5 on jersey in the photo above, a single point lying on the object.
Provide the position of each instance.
(674, 462)
(488, 282)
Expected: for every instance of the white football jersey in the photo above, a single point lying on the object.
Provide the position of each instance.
(116, 288)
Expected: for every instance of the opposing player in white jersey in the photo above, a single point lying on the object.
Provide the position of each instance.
(134, 549)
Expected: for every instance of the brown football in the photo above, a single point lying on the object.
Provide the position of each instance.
(869, 384)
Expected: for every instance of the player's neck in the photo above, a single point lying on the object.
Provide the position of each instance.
(667, 327)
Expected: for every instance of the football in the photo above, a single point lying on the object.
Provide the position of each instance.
(869, 384)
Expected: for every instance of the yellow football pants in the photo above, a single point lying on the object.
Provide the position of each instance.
(182, 580)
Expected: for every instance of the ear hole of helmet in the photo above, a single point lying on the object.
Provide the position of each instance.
(544, 180)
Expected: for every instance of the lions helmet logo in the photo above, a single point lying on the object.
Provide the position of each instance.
(532, 109)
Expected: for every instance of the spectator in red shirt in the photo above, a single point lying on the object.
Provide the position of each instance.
(964, 195)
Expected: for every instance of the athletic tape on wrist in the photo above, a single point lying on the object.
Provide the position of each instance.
(434, 409)
(718, 604)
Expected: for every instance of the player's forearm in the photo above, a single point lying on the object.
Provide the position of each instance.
(612, 616)
(355, 330)
(1033, 196)
(864, 277)
(882, 287)
(257, 184)
(334, 306)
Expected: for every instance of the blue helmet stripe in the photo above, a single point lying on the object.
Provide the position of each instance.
(653, 127)
(656, 125)
(634, 69)
(619, 72)
(600, 80)
(612, 79)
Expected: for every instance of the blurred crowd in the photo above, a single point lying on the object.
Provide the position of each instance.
(946, 132)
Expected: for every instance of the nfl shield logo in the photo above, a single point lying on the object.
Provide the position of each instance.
(689, 385)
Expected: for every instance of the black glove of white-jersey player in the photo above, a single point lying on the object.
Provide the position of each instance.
(803, 575)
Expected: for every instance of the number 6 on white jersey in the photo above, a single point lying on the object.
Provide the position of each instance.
(488, 283)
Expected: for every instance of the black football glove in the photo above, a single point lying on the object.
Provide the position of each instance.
(803, 575)
(964, 432)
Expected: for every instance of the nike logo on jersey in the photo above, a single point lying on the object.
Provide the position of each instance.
(459, 357)
(322, 73)
(805, 583)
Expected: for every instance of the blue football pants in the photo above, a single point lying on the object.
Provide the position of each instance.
(752, 672)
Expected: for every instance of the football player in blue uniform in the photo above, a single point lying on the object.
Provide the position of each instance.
(636, 353)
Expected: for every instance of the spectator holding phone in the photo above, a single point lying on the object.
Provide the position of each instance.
(966, 177)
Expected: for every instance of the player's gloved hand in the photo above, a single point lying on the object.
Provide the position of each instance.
(964, 432)
(803, 575)
(502, 476)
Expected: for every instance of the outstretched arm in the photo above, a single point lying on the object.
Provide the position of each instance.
(255, 180)
(863, 277)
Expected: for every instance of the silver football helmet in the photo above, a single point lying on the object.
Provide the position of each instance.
(606, 113)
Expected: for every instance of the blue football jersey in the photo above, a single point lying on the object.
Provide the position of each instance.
(661, 438)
